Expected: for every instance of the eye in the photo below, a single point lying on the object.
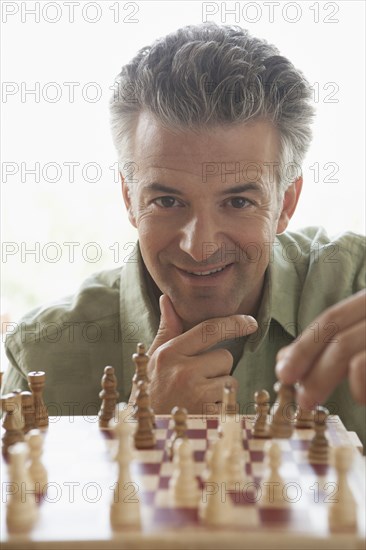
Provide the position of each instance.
(238, 202)
(167, 202)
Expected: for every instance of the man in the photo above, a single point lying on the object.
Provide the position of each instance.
(211, 128)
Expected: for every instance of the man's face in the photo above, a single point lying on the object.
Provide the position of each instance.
(206, 201)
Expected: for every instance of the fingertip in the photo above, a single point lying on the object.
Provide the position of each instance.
(250, 319)
(280, 368)
(284, 373)
(304, 400)
(251, 324)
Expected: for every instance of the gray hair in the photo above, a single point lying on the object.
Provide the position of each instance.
(206, 75)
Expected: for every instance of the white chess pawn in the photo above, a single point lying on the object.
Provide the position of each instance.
(22, 510)
(273, 484)
(37, 471)
(216, 506)
(235, 466)
(183, 483)
(125, 508)
(342, 513)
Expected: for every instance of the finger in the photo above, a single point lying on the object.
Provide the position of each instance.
(208, 333)
(357, 377)
(332, 366)
(170, 324)
(296, 359)
(212, 364)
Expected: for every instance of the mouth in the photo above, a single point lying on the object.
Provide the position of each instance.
(213, 274)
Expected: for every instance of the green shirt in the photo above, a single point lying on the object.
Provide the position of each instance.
(73, 339)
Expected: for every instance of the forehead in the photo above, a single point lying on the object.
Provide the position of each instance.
(156, 147)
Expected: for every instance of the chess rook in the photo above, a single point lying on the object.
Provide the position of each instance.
(109, 396)
(37, 381)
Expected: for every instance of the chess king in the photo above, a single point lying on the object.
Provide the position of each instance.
(211, 126)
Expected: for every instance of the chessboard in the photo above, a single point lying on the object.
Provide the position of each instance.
(74, 505)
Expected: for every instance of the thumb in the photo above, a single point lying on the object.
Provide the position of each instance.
(170, 324)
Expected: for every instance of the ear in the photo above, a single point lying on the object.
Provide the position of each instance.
(127, 201)
(290, 200)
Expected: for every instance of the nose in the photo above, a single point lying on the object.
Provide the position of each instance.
(199, 236)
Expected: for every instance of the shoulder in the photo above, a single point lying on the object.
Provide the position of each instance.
(96, 297)
(314, 270)
(71, 338)
(315, 239)
(312, 251)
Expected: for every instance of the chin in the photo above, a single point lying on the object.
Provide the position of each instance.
(192, 316)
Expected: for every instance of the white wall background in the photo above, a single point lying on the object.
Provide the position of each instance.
(324, 39)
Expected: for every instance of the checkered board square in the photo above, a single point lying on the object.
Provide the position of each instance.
(79, 458)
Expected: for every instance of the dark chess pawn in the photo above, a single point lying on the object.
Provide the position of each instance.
(282, 424)
(144, 436)
(109, 396)
(13, 423)
(319, 445)
(304, 418)
(261, 427)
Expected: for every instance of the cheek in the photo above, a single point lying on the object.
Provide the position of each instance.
(256, 240)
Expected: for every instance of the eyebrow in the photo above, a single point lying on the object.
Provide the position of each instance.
(253, 186)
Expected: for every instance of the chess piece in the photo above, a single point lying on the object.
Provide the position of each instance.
(13, 424)
(183, 483)
(28, 411)
(229, 409)
(141, 360)
(216, 506)
(304, 418)
(342, 512)
(260, 427)
(109, 396)
(36, 381)
(235, 466)
(125, 507)
(273, 484)
(283, 411)
(319, 445)
(37, 471)
(22, 510)
(144, 435)
(179, 415)
(230, 405)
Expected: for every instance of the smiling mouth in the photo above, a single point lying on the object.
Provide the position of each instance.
(205, 273)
